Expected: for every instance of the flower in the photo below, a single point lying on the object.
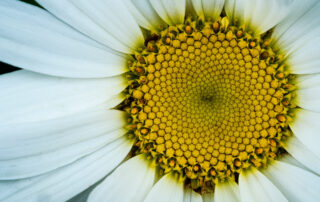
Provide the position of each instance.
(160, 100)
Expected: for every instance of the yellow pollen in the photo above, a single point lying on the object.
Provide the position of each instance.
(188, 30)
(207, 100)
(215, 26)
(134, 110)
(281, 118)
(252, 44)
(237, 163)
(239, 33)
(171, 163)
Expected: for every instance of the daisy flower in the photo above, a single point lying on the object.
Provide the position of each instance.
(160, 100)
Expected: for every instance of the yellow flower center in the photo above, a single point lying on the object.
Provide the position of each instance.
(207, 100)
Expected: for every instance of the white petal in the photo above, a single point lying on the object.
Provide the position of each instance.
(208, 197)
(299, 26)
(9, 187)
(144, 14)
(108, 22)
(297, 11)
(64, 183)
(28, 97)
(114, 100)
(33, 39)
(229, 7)
(287, 158)
(306, 58)
(254, 186)
(172, 12)
(309, 98)
(191, 196)
(208, 8)
(307, 80)
(28, 139)
(301, 156)
(131, 181)
(259, 15)
(44, 162)
(190, 10)
(226, 192)
(295, 183)
(168, 189)
(306, 128)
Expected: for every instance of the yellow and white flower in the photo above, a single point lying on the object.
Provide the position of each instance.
(160, 100)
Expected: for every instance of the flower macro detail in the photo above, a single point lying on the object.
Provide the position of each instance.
(208, 100)
(160, 100)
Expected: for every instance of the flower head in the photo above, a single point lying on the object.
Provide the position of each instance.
(170, 100)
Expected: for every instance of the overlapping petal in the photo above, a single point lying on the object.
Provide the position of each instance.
(299, 26)
(297, 36)
(208, 197)
(254, 186)
(295, 183)
(29, 97)
(131, 181)
(259, 15)
(306, 128)
(33, 39)
(308, 97)
(208, 8)
(145, 14)
(191, 196)
(300, 152)
(172, 12)
(108, 22)
(64, 183)
(30, 149)
(28, 166)
(227, 192)
(169, 185)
